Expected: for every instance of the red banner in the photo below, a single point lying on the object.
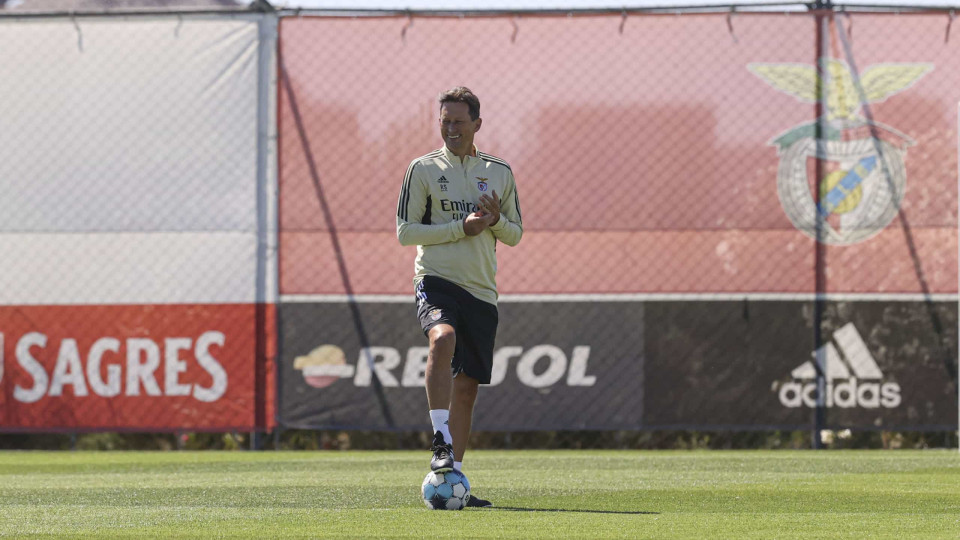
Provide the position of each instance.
(143, 367)
(654, 154)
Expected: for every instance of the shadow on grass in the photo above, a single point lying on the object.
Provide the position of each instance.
(517, 509)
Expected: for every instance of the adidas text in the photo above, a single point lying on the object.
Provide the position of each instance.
(846, 394)
(850, 374)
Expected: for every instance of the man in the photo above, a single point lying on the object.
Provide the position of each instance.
(455, 204)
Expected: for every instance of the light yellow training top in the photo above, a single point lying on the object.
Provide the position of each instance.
(438, 193)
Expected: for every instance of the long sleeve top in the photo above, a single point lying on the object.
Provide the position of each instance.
(438, 193)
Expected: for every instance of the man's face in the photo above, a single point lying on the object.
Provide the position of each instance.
(457, 128)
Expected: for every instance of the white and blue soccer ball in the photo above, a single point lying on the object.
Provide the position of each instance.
(445, 491)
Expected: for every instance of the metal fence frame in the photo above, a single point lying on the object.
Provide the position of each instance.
(271, 78)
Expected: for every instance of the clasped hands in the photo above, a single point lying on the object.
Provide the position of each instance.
(487, 216)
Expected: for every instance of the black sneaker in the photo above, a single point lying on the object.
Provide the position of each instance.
(477, 502)
(442, 460)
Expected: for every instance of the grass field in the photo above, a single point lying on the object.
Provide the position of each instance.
(539, 494)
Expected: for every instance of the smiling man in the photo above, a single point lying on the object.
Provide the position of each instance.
(455, 204)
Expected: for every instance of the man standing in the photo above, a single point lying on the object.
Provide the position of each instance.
(455, 204)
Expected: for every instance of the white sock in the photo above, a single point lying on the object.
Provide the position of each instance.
(440, 418)
(458, 465)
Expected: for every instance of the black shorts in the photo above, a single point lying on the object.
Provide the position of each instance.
(475, 322)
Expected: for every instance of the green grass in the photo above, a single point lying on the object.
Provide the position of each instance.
(540, 494)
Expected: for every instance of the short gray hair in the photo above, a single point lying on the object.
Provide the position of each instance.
(462, 94)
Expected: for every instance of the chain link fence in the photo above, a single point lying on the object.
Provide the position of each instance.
(726, 216)
(133, 279)
(732, 222)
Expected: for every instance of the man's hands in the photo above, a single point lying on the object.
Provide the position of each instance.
(491, 205)
(487, 216)
(476, 222)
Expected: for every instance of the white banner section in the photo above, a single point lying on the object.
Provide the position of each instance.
(135, 164)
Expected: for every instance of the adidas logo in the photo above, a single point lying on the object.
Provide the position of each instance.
(855, 380)
(443, 180)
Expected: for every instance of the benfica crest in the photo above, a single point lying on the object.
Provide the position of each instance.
(859, 163)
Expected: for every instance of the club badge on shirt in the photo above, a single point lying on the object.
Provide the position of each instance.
(482, 184)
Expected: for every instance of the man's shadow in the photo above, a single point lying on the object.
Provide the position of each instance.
(517, 509)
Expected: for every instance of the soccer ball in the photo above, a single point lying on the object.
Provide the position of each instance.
(445, 491)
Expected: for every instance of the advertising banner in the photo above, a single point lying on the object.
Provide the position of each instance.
(634, 365)
(690, 183)
(160, 367)
(580, 366)
(887, 364)
(652, 154)
(138, 271)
